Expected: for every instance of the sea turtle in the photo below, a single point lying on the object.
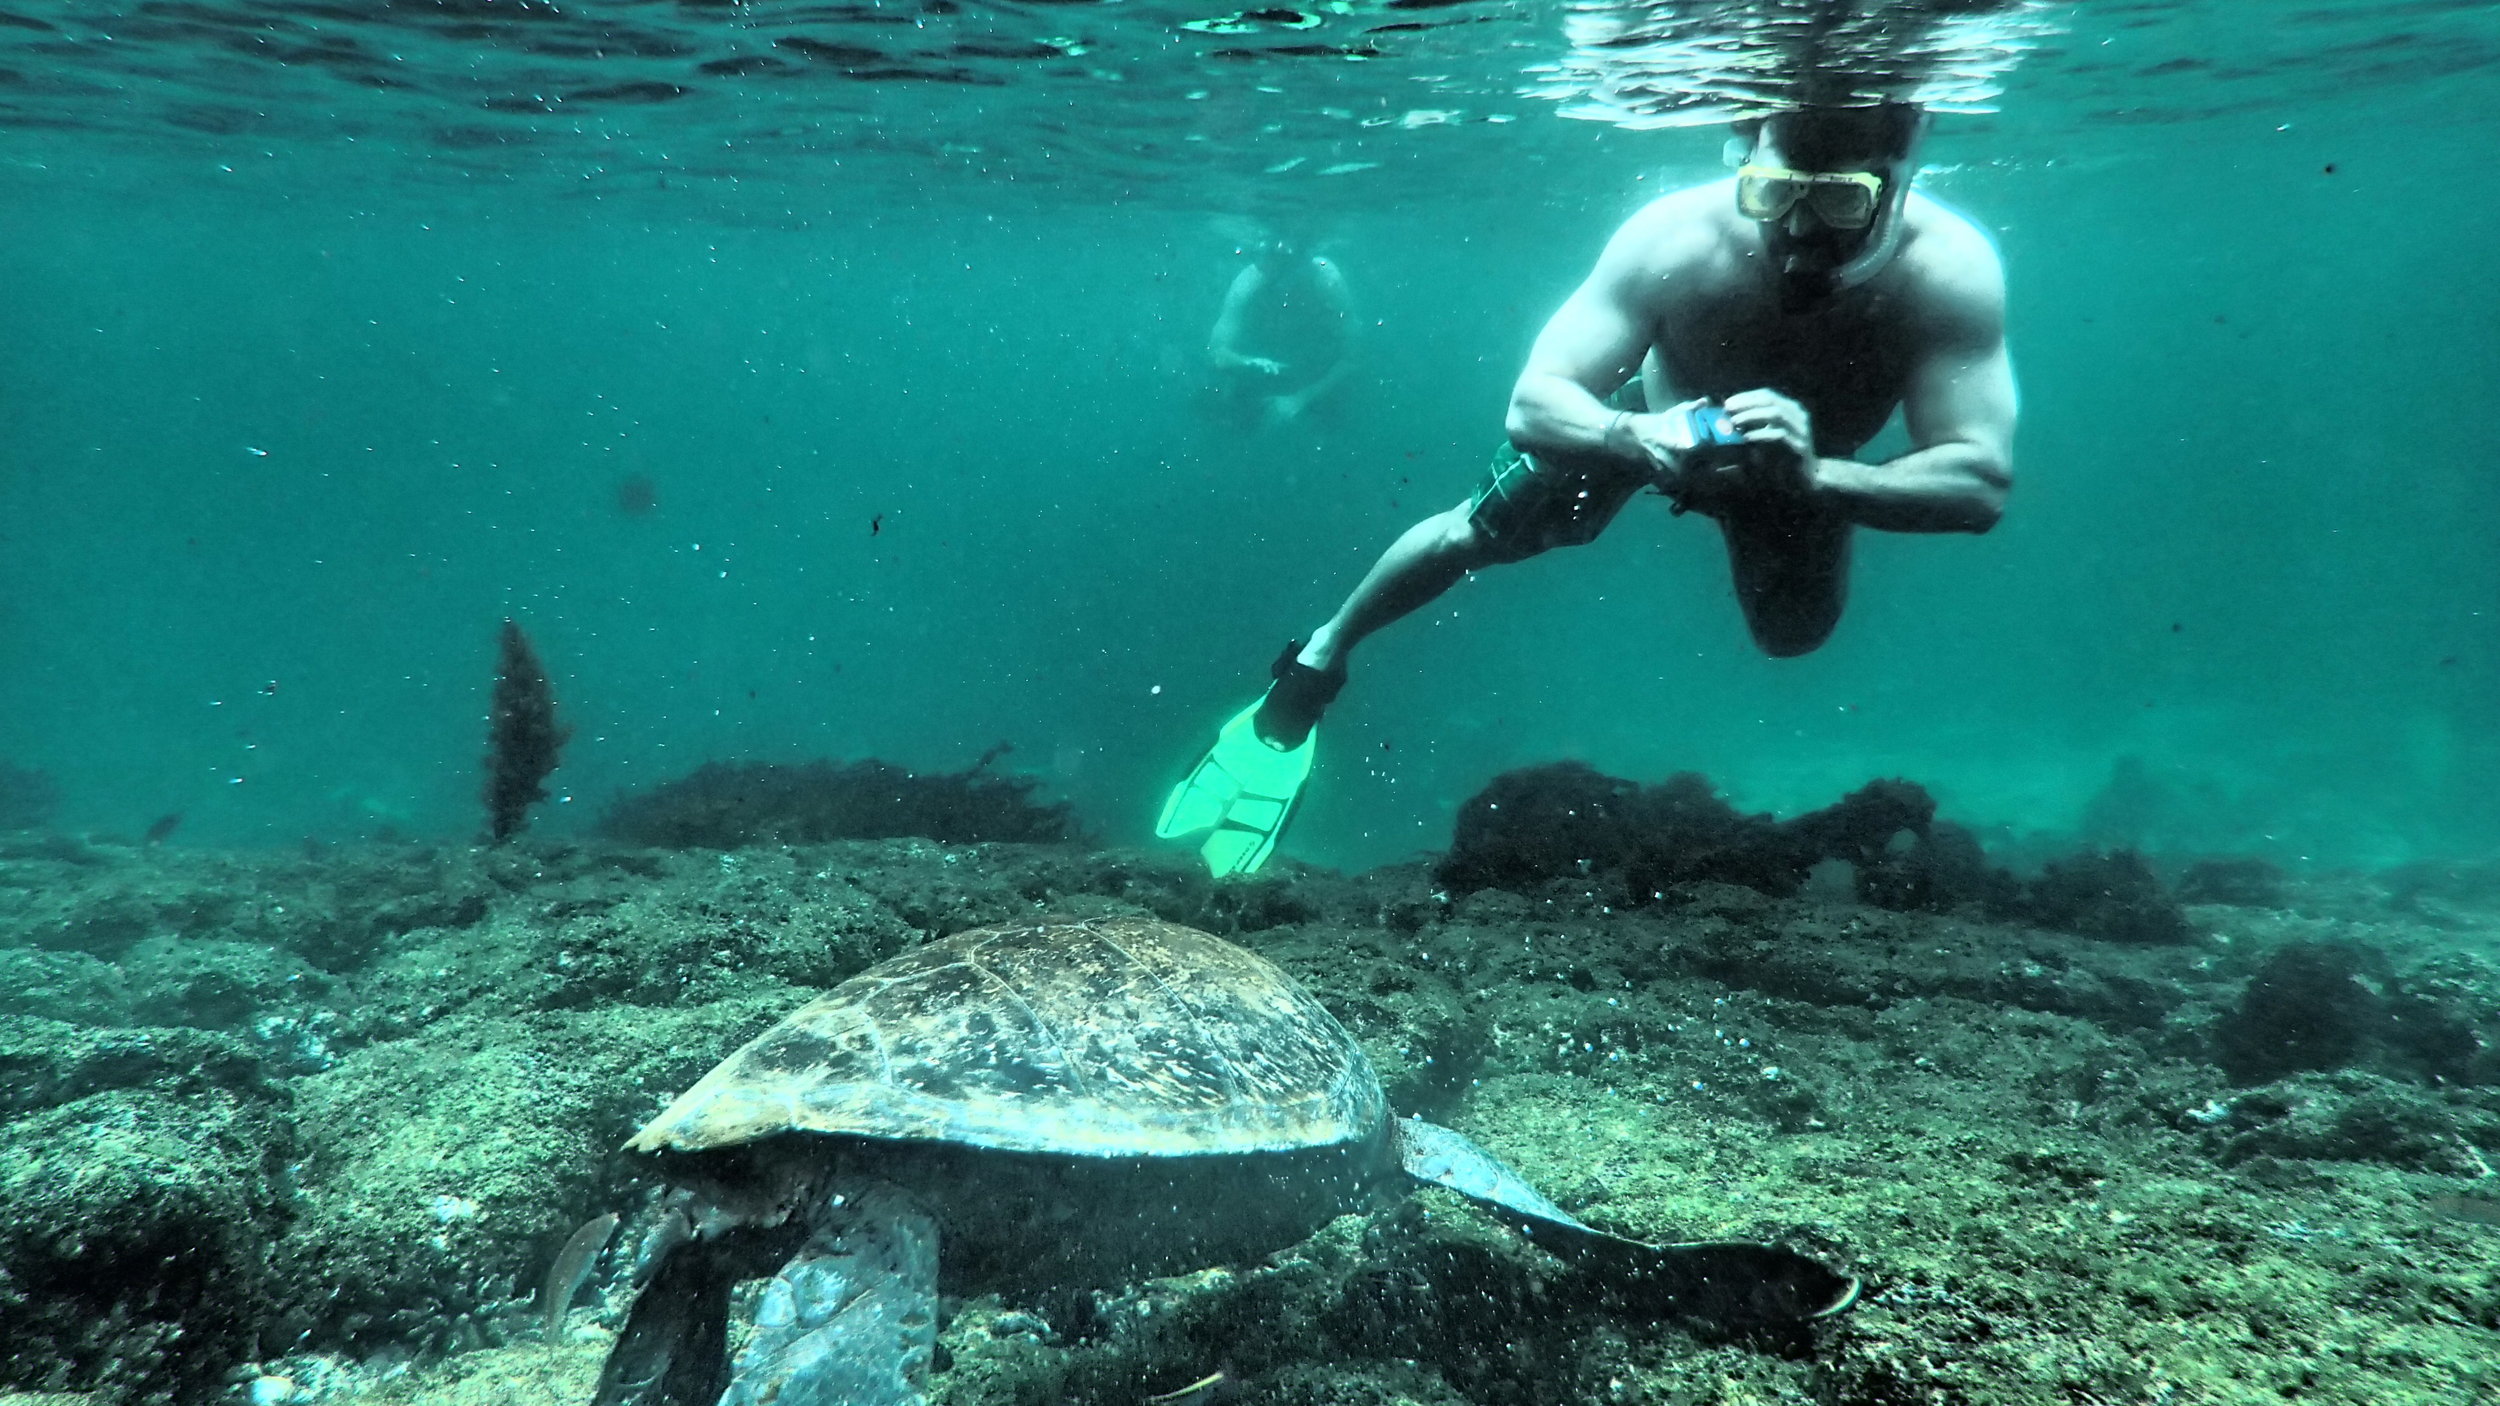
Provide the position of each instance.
(1030, 1107)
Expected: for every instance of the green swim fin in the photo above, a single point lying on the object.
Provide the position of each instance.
(1243, 788)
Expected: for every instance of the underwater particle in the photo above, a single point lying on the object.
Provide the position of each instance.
(637, 495)
(522, 737)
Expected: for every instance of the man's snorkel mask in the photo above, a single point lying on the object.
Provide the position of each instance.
(1823, 157)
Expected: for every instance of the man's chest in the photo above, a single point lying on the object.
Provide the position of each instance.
(1849, 369)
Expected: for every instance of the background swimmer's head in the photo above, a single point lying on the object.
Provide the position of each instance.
(1816, 259)
(1276, 242)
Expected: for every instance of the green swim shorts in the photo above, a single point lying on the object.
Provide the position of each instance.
(1525, 506)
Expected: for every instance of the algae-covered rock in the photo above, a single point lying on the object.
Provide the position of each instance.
(48, 1062)
(136, 1228)
(65, 986)
(2355, 1116)
(215, 984)
(445, 1173)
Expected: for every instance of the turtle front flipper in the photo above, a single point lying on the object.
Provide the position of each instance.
(674, 1349)
(851, 1320)
(1735, 1283)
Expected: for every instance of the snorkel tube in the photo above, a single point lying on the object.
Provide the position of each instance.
(1884, 239)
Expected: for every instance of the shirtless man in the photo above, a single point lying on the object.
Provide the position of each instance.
(1284, 339)
(1807, 298)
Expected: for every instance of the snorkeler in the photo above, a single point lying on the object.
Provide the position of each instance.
(1777, 321)
(1284, 338)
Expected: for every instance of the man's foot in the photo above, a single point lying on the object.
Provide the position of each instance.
(1297, 698)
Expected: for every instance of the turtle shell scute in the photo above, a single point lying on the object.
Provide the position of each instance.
(1112, 1038)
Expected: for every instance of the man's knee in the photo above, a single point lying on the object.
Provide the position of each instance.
(1788, 639)
(1787, 628)
(1457, 541)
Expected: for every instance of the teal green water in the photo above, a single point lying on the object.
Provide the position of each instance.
(311, 374)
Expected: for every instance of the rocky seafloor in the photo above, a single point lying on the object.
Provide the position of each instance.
(311, 1126)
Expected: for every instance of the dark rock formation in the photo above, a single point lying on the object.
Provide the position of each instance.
(2307, 1007)
(2115, 896)
(1566, 820)
(2242, 883)
(726, 805)
(27, 798)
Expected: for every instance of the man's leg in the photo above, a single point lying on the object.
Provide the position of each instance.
(1792, 577)
(1426, 560)
(1523, 507)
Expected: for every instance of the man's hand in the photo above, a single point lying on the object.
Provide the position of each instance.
(1781, 435)
(1264, 365)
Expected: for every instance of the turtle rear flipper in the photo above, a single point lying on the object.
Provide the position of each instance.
(851, 1320)
(1735, 1283)
(1431, 1153)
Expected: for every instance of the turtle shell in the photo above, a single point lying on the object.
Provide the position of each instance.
(1120, 1037)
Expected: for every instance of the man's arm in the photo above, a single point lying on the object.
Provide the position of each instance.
(1959, 407)
(1224, 339)
(1330, 280)
(1594, 344)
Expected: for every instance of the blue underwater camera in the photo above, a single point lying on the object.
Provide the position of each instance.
(1714, 434)
(1716, 443)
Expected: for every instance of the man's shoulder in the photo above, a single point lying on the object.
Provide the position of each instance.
(1950, 254)
(1678, 229)
(1950, 276)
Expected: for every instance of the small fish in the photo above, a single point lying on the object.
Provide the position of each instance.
(1189, 1393)
(163, 827)
(572, 1268)
(876, 524)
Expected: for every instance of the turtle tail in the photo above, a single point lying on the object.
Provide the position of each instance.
(674, 1350)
